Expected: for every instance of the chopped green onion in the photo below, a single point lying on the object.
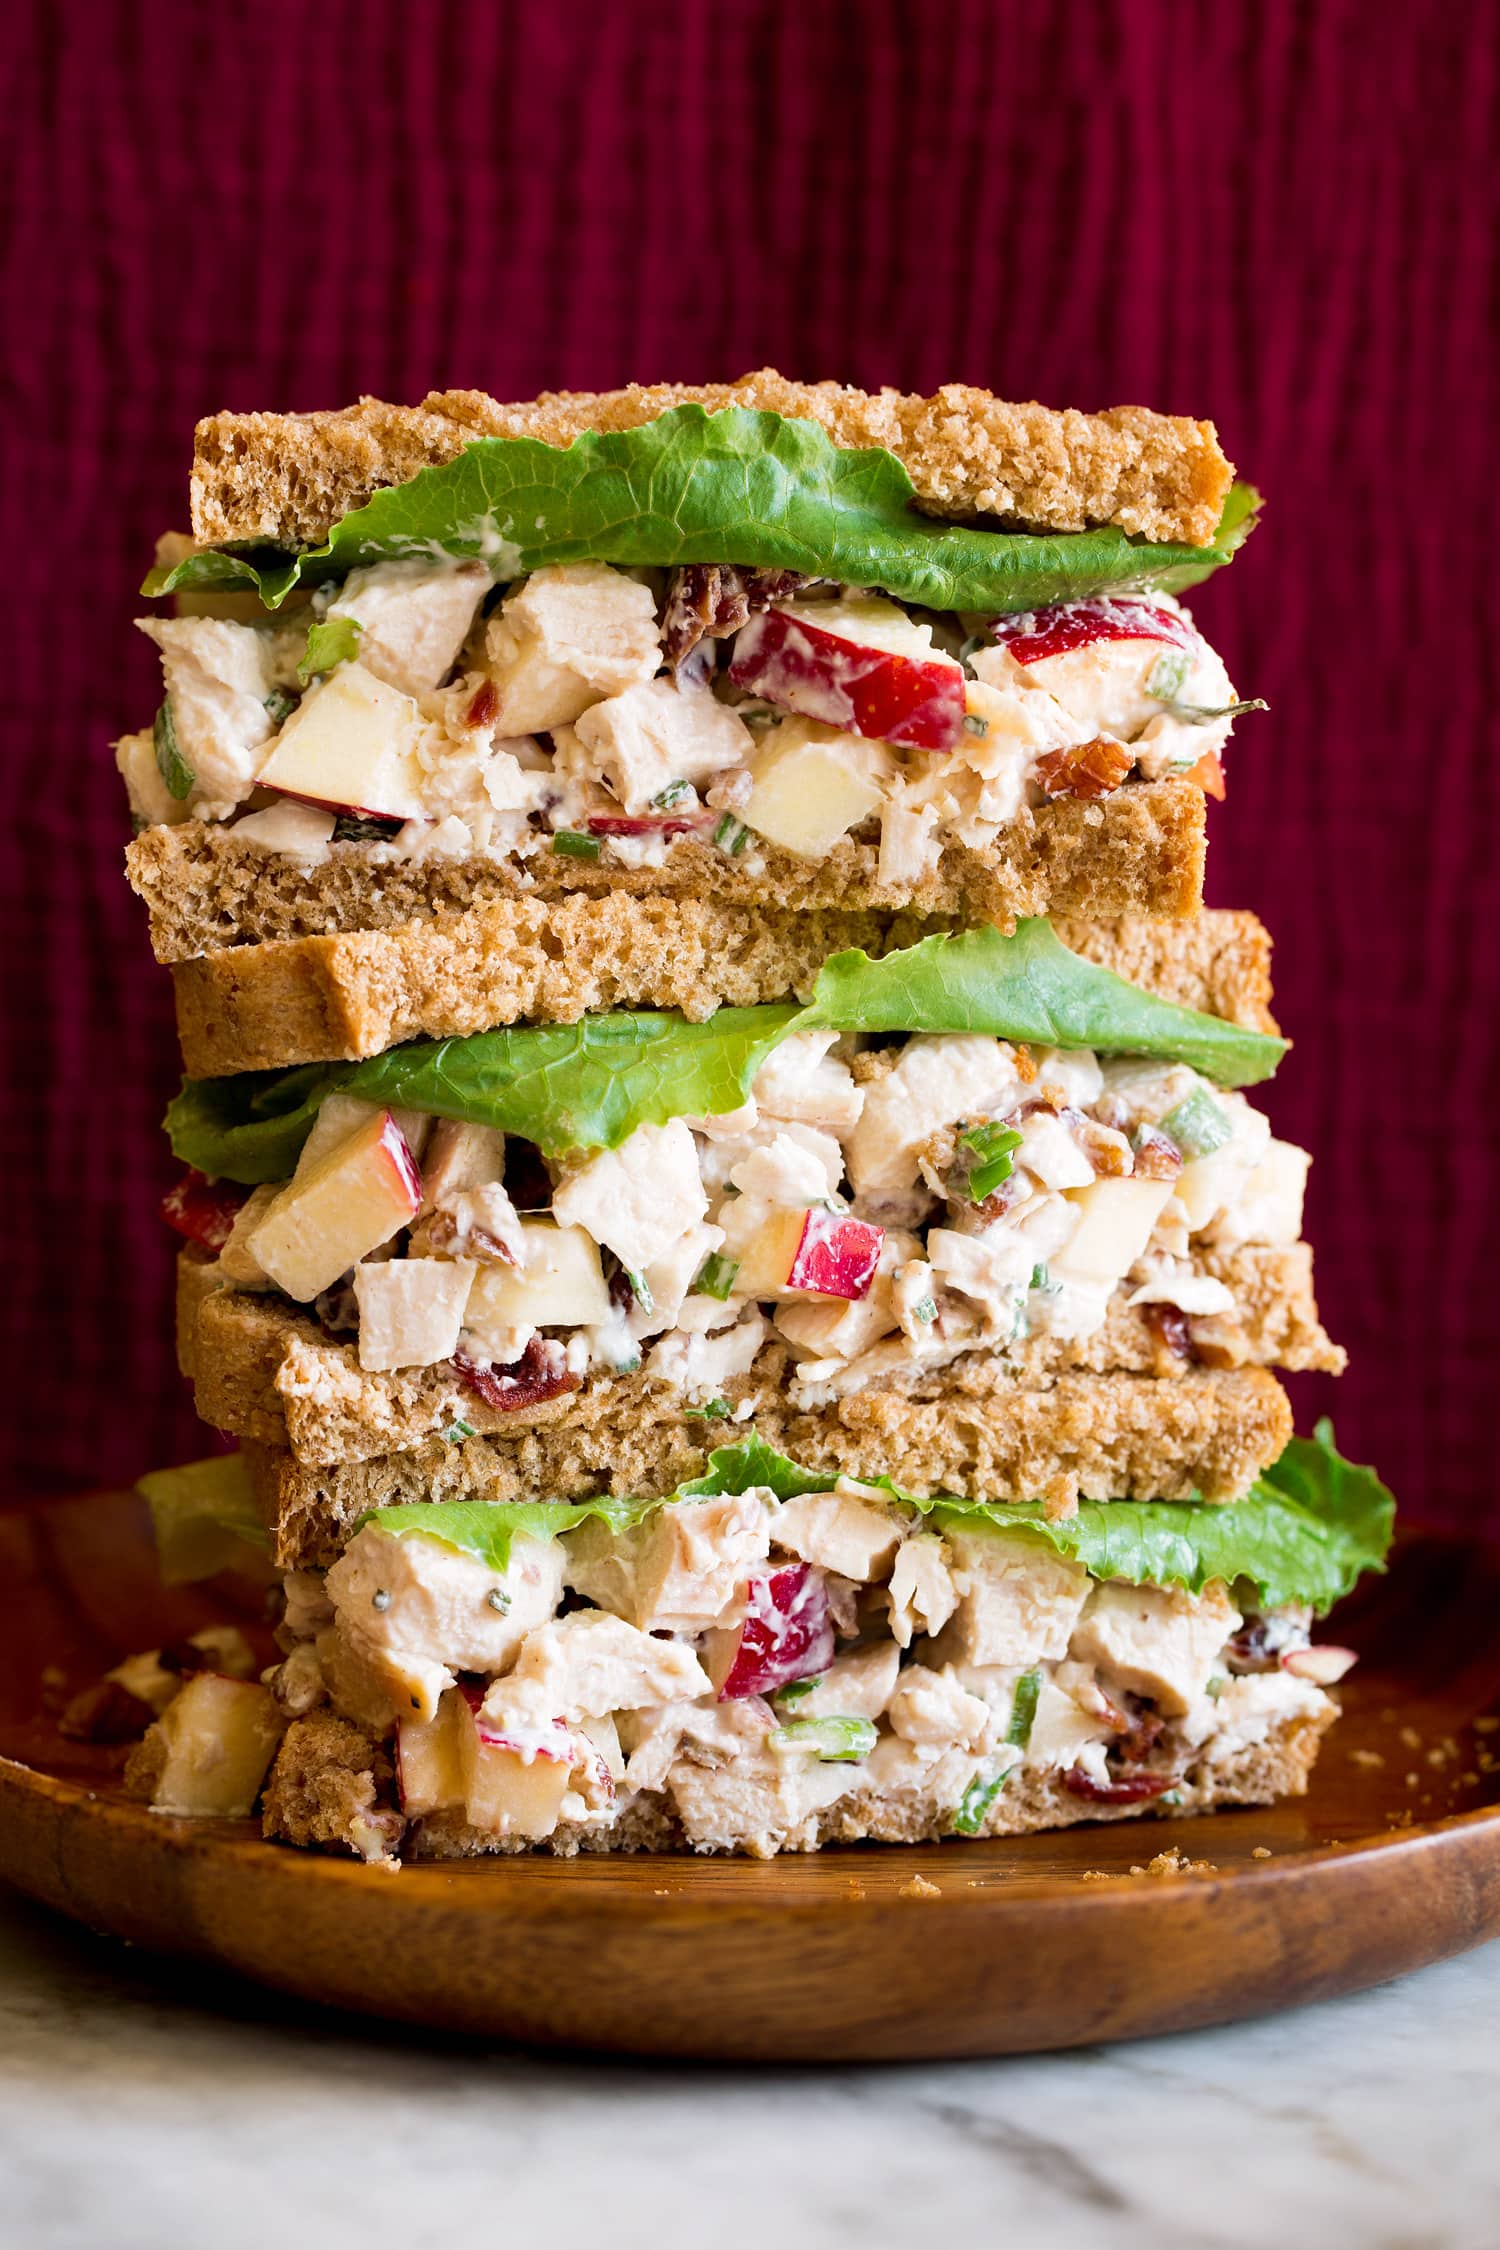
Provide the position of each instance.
(1198, 1125)
(1172, 1797)
(731, 835)
(499, 1600)
(973, 724)
(170, 762)
(280, 705)
(569, 843)
(640, 1289)
(975, 1804)
(838, 1742)
(1202, 714)
(716, 1275)
(1023, 1709)
(717, 1410)
(925, 1310)
(795, 1690)
(1041, 1277)
(674, 794)
(1216, 1687)
(332, 641)
(991, 1146)
(1167, 675)
(456, 1432)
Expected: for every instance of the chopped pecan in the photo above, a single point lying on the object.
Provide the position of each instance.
(540, 1373)
(1086, 769)
(708, 600)
(1219, 1341)
(1156, 1157)
(484, 706)
(1171, 1334)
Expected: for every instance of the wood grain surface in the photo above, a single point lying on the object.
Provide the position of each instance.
(1057, 1940)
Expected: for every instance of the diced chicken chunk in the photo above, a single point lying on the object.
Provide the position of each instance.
(801, 1081)
(416, 1592)
(858, 1685)
(845, 1530)
(414, 617)
(571, 634)
(592, 1662)
(678, 1570)
(640, 1198)
(218, 677)
(935, 1707)
(151, 801)
(1018, 1601)
(700, 1366)
(411, 1310)
(922, 1594)
(1069, 1727)
(1268, 1206)
(936, 1082)
(461, 1156)
(656, 733)
(1155, 1641)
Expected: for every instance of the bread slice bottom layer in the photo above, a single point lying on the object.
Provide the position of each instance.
(1140, 851)
(327, 1776)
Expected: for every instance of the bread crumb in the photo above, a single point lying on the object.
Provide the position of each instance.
(1486, 1725)
(1469, 1779)
(1261, 1851)
(1172, 1862)
(1411, 1738)
(1371, 1758)
(1412, 1779)
(919, 1887)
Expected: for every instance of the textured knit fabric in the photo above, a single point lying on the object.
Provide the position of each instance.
(1274, 214)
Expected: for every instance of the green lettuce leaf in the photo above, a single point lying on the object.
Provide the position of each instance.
(1304, 1532)
(487, 1530)
(1028, 986)
(738, 486)
(204, 1516)
(564, 1086)
(590, 1084)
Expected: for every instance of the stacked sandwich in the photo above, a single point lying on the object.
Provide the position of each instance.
(719, 1204)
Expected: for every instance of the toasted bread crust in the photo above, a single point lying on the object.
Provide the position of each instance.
(337, 999)
(288, 478)
(1140, 852)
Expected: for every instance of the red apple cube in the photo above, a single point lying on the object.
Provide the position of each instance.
(858, 664)
(351, 746)
(1322, 1665)
(787, 1633)
(811, 1253)
(204, 1210)
(356, 1195)
(1035, 635)
(645, 824)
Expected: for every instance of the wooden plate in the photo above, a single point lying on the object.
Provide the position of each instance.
(1392, 1861)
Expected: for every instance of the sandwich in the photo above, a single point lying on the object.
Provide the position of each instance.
(723, 1206)
(765, 1659)
(472, 712)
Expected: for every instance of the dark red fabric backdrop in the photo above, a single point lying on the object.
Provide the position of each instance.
(1279, 215)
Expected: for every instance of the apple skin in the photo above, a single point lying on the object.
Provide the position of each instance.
(787, 1634)
(836, 1256)
(846, 684)
(1035, 635)
(204, 1210)
(341, 811)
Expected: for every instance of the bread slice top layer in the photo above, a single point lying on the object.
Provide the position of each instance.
(288, 478)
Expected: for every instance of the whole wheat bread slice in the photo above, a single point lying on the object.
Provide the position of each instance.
(328, 1775)
(1139, 852)
(287, 478)
(336, 999)
(264, 1369)
(1125, 1437)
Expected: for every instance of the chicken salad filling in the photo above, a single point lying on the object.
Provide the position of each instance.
(875, 1206)
(767, 1643)
(606, 715)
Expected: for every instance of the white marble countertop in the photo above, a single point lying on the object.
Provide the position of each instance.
(149, 2106)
